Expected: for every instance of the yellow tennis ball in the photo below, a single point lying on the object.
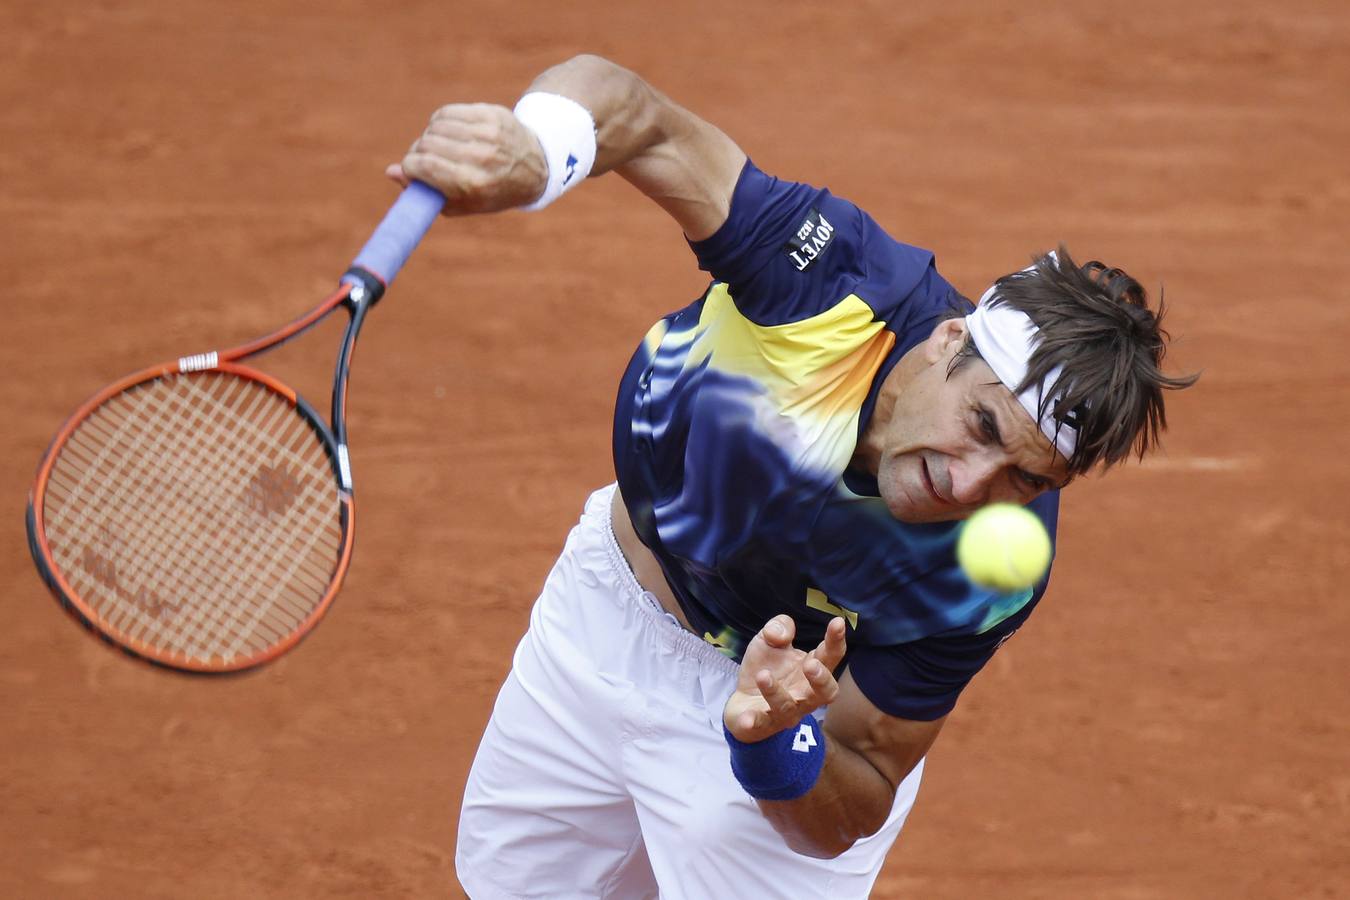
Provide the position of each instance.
(1004, 547)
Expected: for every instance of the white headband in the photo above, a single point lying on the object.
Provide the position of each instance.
(1005, 338)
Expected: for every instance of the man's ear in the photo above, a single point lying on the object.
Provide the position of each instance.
(947, 338)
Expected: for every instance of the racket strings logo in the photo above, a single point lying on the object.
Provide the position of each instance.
(272, 490)
(99, 567)
(97, 559)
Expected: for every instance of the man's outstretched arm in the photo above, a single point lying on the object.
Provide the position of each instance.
(484, 160)
(867, 752)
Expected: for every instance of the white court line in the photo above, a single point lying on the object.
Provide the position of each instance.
(1201, 463)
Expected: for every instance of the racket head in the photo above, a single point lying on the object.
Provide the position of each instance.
(197, 520)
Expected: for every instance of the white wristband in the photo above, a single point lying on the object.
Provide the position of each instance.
(566, 131)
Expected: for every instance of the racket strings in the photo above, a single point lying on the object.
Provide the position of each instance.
(175, 552)
(152, 488)
(197, 555)
(132, 573)
(134, 484)
(197, 514)
(279, 570)
(263, 567)
(146, 566)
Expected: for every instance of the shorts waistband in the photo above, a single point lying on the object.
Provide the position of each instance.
(673, 636)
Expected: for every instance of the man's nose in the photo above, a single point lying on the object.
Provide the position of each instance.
(973, 477)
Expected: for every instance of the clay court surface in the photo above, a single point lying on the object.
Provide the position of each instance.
(174, 177)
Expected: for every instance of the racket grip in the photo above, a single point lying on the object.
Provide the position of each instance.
(398, 235)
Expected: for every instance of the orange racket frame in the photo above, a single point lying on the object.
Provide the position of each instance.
(358, 298)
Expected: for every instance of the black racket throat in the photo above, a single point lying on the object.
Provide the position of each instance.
(340, 377)
(366, 290)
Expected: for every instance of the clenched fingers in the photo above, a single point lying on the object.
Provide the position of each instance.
(479, 156)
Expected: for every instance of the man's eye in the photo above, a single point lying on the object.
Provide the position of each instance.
(1034, 482)
(987, 428)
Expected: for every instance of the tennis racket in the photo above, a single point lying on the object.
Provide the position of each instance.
(198, 514)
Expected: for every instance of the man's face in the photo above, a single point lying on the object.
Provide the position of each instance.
(953, 444)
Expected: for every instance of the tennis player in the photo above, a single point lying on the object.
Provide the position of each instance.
(748, 645)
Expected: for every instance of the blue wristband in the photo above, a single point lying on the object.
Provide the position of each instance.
(783, 766)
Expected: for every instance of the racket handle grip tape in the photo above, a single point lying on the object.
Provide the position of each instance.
(398, 235)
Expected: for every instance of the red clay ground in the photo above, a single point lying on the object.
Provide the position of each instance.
(177, 176)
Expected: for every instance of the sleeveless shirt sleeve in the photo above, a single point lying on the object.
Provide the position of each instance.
(922, 679)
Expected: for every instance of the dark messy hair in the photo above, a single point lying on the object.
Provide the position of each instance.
(1094, 321)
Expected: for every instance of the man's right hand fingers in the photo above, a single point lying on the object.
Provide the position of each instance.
(480, 157)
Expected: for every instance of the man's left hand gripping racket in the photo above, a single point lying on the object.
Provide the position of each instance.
(198, 514)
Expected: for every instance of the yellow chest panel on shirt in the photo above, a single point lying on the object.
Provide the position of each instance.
(815, 372)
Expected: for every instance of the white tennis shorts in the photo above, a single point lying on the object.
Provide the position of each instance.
(603, 771)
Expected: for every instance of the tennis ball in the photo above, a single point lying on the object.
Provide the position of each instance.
(1004, 547)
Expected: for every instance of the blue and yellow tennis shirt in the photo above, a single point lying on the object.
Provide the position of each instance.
(735, 425)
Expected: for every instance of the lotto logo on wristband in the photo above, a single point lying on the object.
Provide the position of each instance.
(805, 739)
(783, 766)
(566, 134)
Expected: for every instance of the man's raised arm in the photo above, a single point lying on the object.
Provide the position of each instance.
(484, 159)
